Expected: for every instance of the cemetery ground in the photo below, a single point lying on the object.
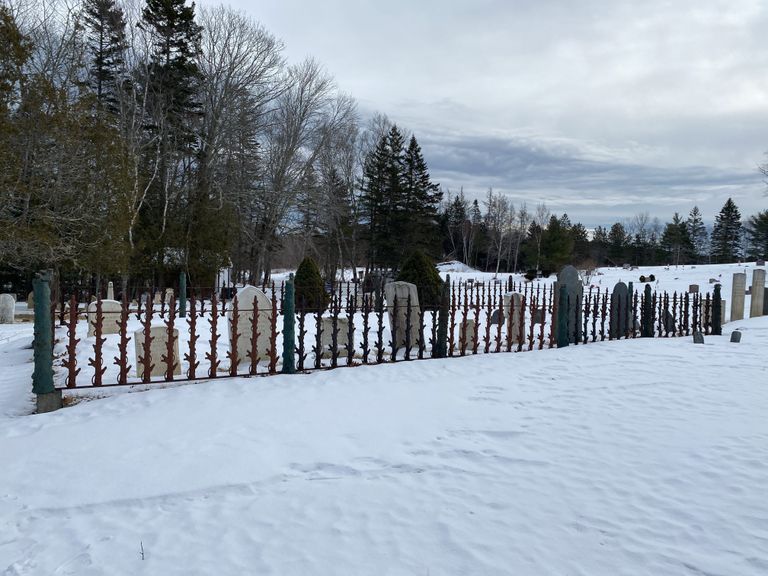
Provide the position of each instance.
(640, 456)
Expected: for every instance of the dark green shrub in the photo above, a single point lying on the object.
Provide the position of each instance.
(642, 278)
(419, 269)
(530, 275)
(309, 287)
(651, 278)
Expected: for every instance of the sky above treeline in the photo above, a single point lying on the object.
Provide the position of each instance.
(602, 109)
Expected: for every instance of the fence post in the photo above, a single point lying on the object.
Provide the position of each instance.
(48, 397)
(717, 311)
(441, 345)
(646, 323)
(182, 294)
(289, 329)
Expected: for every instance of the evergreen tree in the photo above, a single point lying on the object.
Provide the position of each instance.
(677, 241)
(617, 244)
(556, 245)
(599, 245)
(420, 199)
(726, 234)
(106, 44)
(757, 235)
(419, 269)
(580, 240)
(697, 232)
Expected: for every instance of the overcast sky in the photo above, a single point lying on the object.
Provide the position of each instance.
(600, 108)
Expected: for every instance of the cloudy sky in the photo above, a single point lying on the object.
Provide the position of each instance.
(600, 108)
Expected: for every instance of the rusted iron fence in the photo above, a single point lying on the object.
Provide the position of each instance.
(147, 341)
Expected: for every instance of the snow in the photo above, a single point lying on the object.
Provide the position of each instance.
(627, 457)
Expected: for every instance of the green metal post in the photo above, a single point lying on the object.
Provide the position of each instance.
(289, 328)
(48, 397)
(441, 346)
(562, 318)
(182, 294)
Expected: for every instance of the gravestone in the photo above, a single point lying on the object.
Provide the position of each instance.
(538, 316)
(693, 289)
(758, 292)
(245, 313)
(497, 316)
(110, 291)
(326, 337)
(709, 310)
(765, 302)
(157, 298)
(669, 322)
(736, 336)
(569, 277)
(620, 311)
(157, 350)
(168, 295)
(7, 305)
(469, 335)
(512, 305)
(760, 263)
(698, 338)
(737, 296)
(402, 290)
(110, 310)
(31, 301)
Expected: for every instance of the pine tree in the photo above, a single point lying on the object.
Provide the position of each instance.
(556, 246)
(757, 235)
(697, 232)
(580, 240)
(107, 45)
(421, 197)
(677, 241)
(726, 234)
(618, 241)
(174, 70)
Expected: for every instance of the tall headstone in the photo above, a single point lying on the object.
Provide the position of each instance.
(737, 296)
(110, 291)
(515, 315)
(620, 311)
(402, 290)
(245, 313)
(693, 289)
(157, 350)
(758, 291)
(110, 310)
(569, 277)
(7, 306)
(467, 334)
(31, 301)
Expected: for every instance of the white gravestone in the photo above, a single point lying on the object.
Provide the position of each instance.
(157, 350)
(110, 291)
(7, 305)
(111, 310)
(402, 290)
(512, 310)
(245, 313)
(342, 338)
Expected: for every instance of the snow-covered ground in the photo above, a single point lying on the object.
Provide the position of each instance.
(631, 457)
(621, 458)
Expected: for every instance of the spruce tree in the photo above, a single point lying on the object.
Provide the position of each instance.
(697, 232)
(726, 234)
(106, 45)
(677, 241)
(421, 198)
(757, 235)
(618, 240)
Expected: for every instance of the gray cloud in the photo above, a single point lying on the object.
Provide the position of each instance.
(602, 108)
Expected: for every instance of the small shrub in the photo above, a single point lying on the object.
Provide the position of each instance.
(651, 278)
(419, 269)
(309, 287)
(530, 275)
(642, 279)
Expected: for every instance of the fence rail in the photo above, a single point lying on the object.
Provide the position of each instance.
(110, 343)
